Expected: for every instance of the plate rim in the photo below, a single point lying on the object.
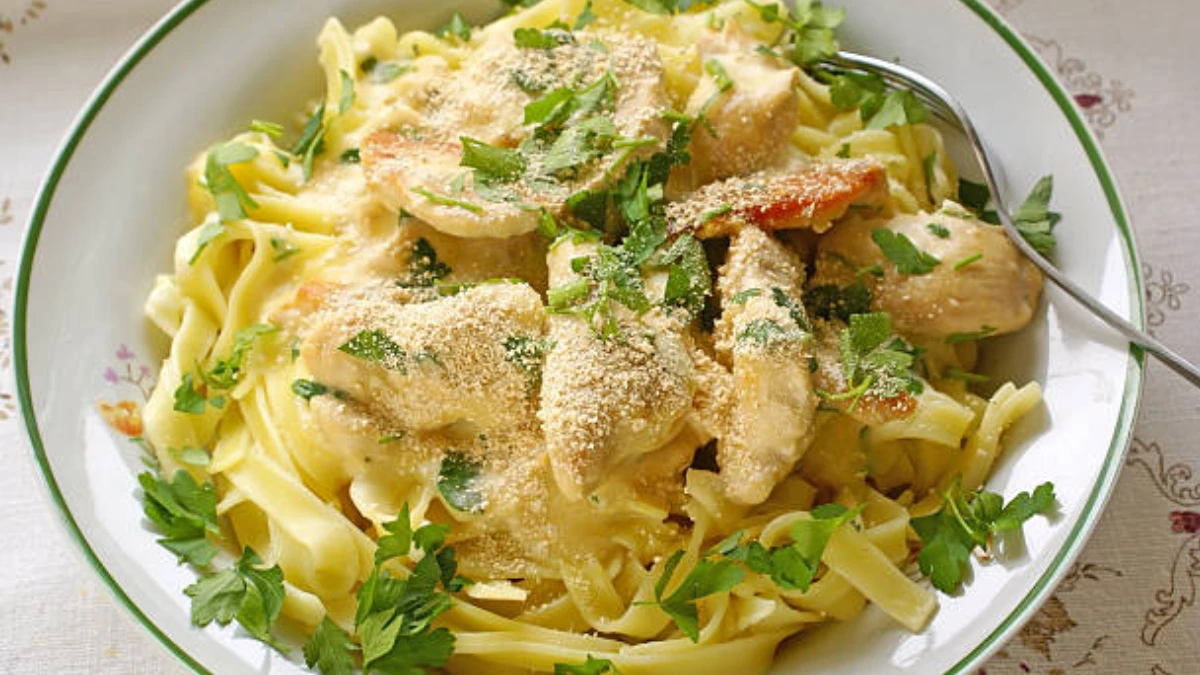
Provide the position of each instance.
(1093, 508)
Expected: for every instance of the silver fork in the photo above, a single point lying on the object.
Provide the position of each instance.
(948, 108)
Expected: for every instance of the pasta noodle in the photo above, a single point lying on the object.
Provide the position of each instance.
(308, 478)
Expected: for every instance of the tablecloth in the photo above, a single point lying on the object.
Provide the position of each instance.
(1127, 606)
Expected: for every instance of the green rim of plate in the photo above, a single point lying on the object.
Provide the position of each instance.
(1021, 613)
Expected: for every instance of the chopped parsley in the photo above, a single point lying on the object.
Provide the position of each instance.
(269, 128)
(329, 650)
(185, 512)
(375, 346)
(586, 18)
(689, 282)
(742, 297)
(829, 301)
(311, 142)
(492, 164)
(965, 522)
(1034, 219)
(938, 231)
(307, 389)
(245, 592)
(189, 400)
(213, 228)
(456, 28)
(795, 310)
(878, 107)
(766, 333)
(873, 361)
(905, 255)
(226, 373)
(967, 261)
(974, 196)
(382, 72)
(708, 577)
(347, 98)
(719, 75)
(809, 37)
(231, 198)
(608, 278)
(283, 249)
(351, 156)
(458, 481)
(528, 354)
(532, 38)
(791, 566)
(592, 666)
(424, 268)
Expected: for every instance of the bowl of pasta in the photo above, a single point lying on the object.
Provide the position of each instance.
(573, 336)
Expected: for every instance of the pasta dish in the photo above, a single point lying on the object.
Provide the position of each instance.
(611, 336)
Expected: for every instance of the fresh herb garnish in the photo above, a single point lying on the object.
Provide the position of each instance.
(213, 228)
(878, 107)
(226, 373)
(532, 38)
(766, 333)
(283, 249)
(329, 650)
(231, 198)
(905, 255)
(307, 389)
(809, 37)
(245, 592)
(424, 268)
(456, 28)
(269, 128)
(689, 281)
(382, 72)
(1034, 219)
(829, 301)
(492, 164)
(529, 355)
(375, 346)
(187, 399)
(938, 231)
(742, 297)
(719, 75)
(795, 310)
(592, 666)
(448, 201)
(791, 566)
(311, 142)
(586, 18)
(873, 362)
(185, 512)
(458, 481)
(974, 258)
(707, 578)
(965, 522)
(347, 99)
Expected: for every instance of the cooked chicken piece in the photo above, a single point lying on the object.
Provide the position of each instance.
(748, 124)
(426, 365)
(994, 288)
(869, 409)
(418, 169)
(764, 335)
(808, 198)
(606, 400)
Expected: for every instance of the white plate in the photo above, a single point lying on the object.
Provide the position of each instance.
(107, 217)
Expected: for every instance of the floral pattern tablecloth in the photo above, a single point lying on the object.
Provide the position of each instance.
(1127, 606)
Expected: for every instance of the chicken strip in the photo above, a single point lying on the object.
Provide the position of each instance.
(426, 365)
(808, 198)
(764, 335)
(980, 282)
(740, 84)
(607, 400)
(608, 92)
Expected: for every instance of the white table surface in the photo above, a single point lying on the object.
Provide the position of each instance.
(1128, 605)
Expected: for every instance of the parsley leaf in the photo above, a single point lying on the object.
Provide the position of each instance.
(457, 480)
(492, 164)
(810, 35)
(609, 277)
(269, 128)
(382, 72)
(719, 75)
(532, 38)
(185, 512)
(965, 522)
(878, 107)
(375, 346)
(347, 99)
(424, 268)
(443, 200)
(329, 650)
(592, 666)
(231, 198)
(973, 258)
(283, 248)
(586, 18)
(706, 578)
(187, 399)
(938, 231)
(903, 253)
(974, 196)
(398, 541)
(766, 333)
(1034, 219)
(529, 355)
(311, 142)
(252, 595)
(226, 373)
(689, 281)
(307, 389)
(456, 28)
(213, 228)
(872, 364)
(829, 301)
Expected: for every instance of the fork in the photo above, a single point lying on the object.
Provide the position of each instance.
(950, 110)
